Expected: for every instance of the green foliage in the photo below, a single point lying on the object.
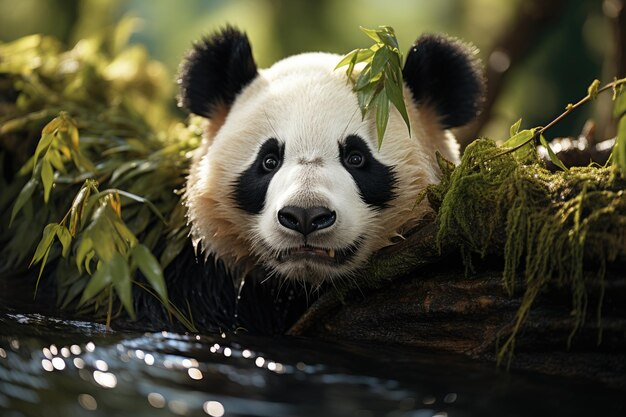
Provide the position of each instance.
(520, 143)
(557, 226)
(380, 80)
(104, 178)
(553, 224)
(553, 158)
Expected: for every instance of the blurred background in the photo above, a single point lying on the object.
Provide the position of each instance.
(539, 54)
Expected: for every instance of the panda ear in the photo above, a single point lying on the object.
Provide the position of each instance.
(216, 69)
(445, 73)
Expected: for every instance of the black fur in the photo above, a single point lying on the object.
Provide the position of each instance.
(375, 180)
(252, 184)
(215, 71)
(444, 72)
(206, 291)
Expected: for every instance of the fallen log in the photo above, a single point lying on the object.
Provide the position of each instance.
(438, 307)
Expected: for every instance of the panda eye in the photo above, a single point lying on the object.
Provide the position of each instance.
(270, 162)
(355, 159)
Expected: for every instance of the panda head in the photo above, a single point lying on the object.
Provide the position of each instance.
(289, 176)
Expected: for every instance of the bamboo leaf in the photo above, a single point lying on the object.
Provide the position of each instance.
(47, 179)
(76, 211)
(555, 159)
(350, 68)
(363, 55)
(348, 58)
(394, 92)
(23, 198)
(120, 274)
(65, 238)
(81, 162)
(54, 157)
(73, 134)
(28, 167)
(44, 143)
(88, 258)
(379, 61)
(365, 97)
(514, 130)
(85, 245)
(150, 268)
(382, 115)
(98, 281)
(52, 126)
(372, 33)
(44, 261)
(131, 196)
(45, 243)
(124, 231)
(100, 233)
(519, 138)
(380, 80)
(365, 77)
(64, 149)
(388, 38)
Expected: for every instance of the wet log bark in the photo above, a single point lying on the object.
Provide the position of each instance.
(437, 307)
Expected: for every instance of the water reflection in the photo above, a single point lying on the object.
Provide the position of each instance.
(156, 400)
(87, 402)
(105, 379)
(62, 368)
(213, 408)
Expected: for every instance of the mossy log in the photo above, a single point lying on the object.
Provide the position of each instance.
(438, 307)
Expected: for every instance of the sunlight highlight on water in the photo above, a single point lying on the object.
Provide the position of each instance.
(156, 400)
(87, 402)
(194, 373)
(65, 368)
(105, 379)
(213, 408)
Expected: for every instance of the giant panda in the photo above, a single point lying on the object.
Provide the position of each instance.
(289, 185)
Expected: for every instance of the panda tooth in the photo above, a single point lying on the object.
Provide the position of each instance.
(331, 253)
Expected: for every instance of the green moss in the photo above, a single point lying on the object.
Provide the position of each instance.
(557, 228)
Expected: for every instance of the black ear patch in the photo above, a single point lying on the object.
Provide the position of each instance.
(444, 73)
(216, 69)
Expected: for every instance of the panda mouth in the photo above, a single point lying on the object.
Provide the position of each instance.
(320, 255)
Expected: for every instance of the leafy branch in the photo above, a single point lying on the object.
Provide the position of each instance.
(108, 163)
(520, 139)
(380, 81)
(58, 146)
(106, 241)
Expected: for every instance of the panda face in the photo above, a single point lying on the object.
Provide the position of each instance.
(302, 178)
(290, 177)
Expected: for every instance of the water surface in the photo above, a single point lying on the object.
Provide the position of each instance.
(59, 367)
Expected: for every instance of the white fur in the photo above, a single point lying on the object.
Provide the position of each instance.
(310, 107)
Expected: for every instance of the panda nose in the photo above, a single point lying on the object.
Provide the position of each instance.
(306, 220)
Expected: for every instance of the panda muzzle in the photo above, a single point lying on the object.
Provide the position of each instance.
(322, 255)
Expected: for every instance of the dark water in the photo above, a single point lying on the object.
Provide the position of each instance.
(53, 367)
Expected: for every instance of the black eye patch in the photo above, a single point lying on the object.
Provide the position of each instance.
(251, 186)
(375, 180)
